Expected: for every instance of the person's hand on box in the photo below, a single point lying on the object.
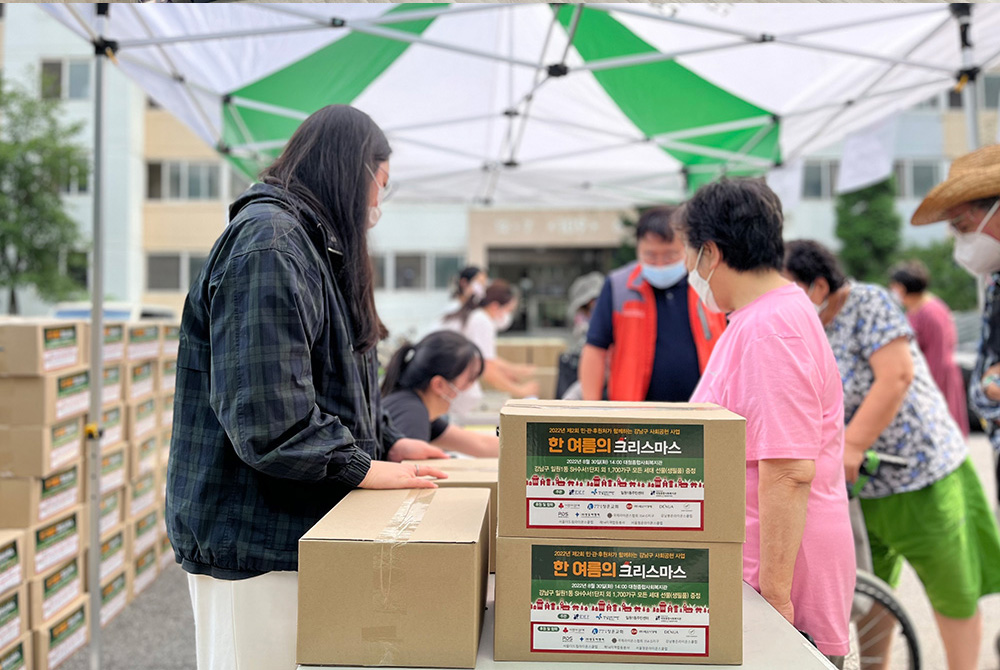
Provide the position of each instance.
(408, 449)
(527, 390)
(384, 475)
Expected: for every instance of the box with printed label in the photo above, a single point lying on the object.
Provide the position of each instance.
(114, 596)
(113, 389)
(142, 532)
(32, 347)
(143, 420)
(143, 569)
(12, 550)
(168, 376)
(57, 641)
(114, 341)
(171, 339)
(165, 553)
(167, 412)
(45, 400)
(547, 379)
(54, 542)
(25, 501)
(112, 510)
(615, 602)
(19, 654)
(140, 381)
(145, 456)
(142, 495)
(113, 425)
(39, 451)
(471, 473)
(635, 471)
(15, 618)
(143, 341)
(55, 591)
(390, 548)
(114, 552)
(114, 469)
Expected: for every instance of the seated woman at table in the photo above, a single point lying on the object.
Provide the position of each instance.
(420, 383)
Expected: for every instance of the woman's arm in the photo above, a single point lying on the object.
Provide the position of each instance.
(468, 442)
(494, 374)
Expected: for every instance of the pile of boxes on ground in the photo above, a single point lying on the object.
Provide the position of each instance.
(615, 531)
(542, 353)
(45, 378)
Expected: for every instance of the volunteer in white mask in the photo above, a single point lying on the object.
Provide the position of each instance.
(968, 200)
(480, 321)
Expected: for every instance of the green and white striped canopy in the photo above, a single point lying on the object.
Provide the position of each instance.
(544, 104)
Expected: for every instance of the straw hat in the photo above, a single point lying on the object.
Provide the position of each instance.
(583, 290)
(973, 176)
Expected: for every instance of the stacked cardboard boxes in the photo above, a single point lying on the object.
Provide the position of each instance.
(620, 533)
(542, 353)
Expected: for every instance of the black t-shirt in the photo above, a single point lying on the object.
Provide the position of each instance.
(410, 416)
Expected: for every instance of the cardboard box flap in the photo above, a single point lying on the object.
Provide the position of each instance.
(407, 515)
(659, 411)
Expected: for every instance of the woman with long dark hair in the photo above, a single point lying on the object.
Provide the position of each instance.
(423, 380)
(277, 413)
(470, 284)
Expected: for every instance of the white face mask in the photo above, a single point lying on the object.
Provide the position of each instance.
(478, 289)
(701, 286)
(454, 389)
(503, 322)
(820, 307)
(978, 252)
(375, 213)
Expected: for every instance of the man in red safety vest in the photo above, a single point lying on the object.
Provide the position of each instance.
(651, 324)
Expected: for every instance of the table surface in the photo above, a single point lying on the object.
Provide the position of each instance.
(769, 643)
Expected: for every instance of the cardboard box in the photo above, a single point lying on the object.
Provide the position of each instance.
(114, 342)
(168, 376)
(545, 352)
(114, 552)
(114, 469)
(113, 424)
(25, 501)
(165, 553)
(142, 532)
(167, 411)
(45, 400)
(112, 511)
(39, 451)
(18, 656)
(55, 591)
(634, 471)
(140, 381)
(171, 339)
(14, 615)
(547, 379)
(143, 570)
(54, 542)
(143, 420)
(513, 350)
(32, 347)
(142, 495)
(161, 521)
(114, 596)
(145, 457)
(610, 601)
(12, 570)
(479, 473)
(57, 641)
(390, 548)
(113, 389)
(143, 341)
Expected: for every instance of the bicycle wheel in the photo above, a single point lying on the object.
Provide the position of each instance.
(882, 636)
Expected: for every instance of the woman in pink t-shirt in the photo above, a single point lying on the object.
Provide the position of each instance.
(773, 366)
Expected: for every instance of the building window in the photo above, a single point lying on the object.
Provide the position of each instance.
(195, 264)
(930, 103)
(77, 264)
(51, 79)
(410, 272)
(237, 183)
(79, 80)
(445, 270)
(182, 181)
(991, 91)
(163, 272)
(812, 183)
(925, 177)
(954, 99)
(65, 79)
(75, 181)
(378, 271)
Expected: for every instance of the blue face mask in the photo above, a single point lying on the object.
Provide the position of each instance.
(664, 276)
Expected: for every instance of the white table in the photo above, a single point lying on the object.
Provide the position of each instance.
(769, 643)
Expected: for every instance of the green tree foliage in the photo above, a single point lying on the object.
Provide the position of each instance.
(869, 227)
(39, 153)
(955, 286)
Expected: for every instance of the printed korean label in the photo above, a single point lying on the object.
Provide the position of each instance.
(610, 600)
(112, 554)
(615, 476)
(11, 574)
(112, 391)
(60, 589)
(13, 659)
(113, 596)
(145, 571)
(110, 511)
(72, 396)
(149, 455)
(169, 378)
(113, 471)
(167, 411)
(11, 610)
(143, 494)
(141, 377)
(62, 348)
(112, 427)
(65, 443)
(56, 543)
(60, 492)
(114, 343)
(145, 419)
(66, 637)
(166, 552)
(143, 342)
(145, 533)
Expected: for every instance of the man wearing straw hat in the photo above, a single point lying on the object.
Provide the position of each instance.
(968, 200)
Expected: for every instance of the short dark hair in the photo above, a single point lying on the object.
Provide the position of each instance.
(743, 217)
(656, 221)
(808, 260)
(444, 352)
(912, 275)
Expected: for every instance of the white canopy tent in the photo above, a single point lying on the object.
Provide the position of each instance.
(532, 104)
